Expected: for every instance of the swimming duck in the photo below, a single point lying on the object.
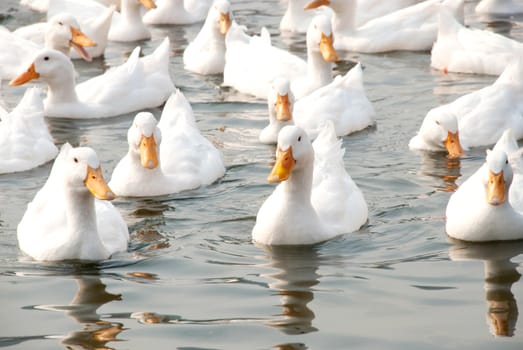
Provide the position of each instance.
(137, 84)
(480, 210)
(343, 102)
(177, 12)
(439, 132)
(126, 25)
(483, 115)
(96, 28)
(316, 199)
(25, 141)
(466, 50)
(252, 63)
(321, 56)
(393, 31)
(141, 172)
(70, 217)
(61, 33)
(206, 53)
(280, 103)
(184, 149)
(499, 7)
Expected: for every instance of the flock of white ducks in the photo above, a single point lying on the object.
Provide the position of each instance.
(316, 199)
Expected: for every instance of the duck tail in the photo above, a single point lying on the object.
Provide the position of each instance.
(328, 151)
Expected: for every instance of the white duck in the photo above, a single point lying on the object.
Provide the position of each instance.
(177, 12)
(141, 172)
(296, 19)
(343, 102)
(64, 220)
(137, 84)
(438, 132)
(61, 33)
(252, 63)
(206, 53)
(412, 28)
(483, 115)
(25, 141)
(480, 210)
(321, 56)
(96, 28)
(184, 149)
(127, 25)
(316, 199)
(499, 7)
(280, 103)
(465, 50)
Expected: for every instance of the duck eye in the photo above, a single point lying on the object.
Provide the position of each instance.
(437, 122)
(46, 58)
(75, 160)
(299, 138)
(60, 23)
(506, 162)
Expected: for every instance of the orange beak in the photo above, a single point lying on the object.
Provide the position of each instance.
(283, 108)
(148, 4)
(453, 145)
(496, 188)
(95, 183)
(26, 76)
(316, 3)
(224, 22)
(148, 154)
(328, 52)
(283, 167)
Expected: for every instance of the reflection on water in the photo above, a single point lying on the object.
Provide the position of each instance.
(437, 165)
(293, 280)
(95, 332)
(500, 274)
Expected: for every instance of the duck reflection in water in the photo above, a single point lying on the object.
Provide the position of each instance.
(500, 274)
(96, 333)
(438, 165)
(293, 280)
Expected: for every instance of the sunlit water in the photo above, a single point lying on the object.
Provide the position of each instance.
(192, 278)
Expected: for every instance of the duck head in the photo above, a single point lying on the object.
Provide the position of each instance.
(82, 172)
(294, 153)
(320, 38)
(497, 177)
(440, 130)
(63, 32)
(144, 139)
(221, 16)
(49, 65)
(280, 100)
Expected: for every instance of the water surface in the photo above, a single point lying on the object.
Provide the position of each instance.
(192, 278)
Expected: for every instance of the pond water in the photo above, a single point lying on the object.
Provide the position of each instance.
(192, 278)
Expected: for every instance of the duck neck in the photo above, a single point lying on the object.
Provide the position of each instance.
(344, 16)
(62, 89)
(81, 221)
(318, 70)
(51, 43)
(130, 10)
(298, 186)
